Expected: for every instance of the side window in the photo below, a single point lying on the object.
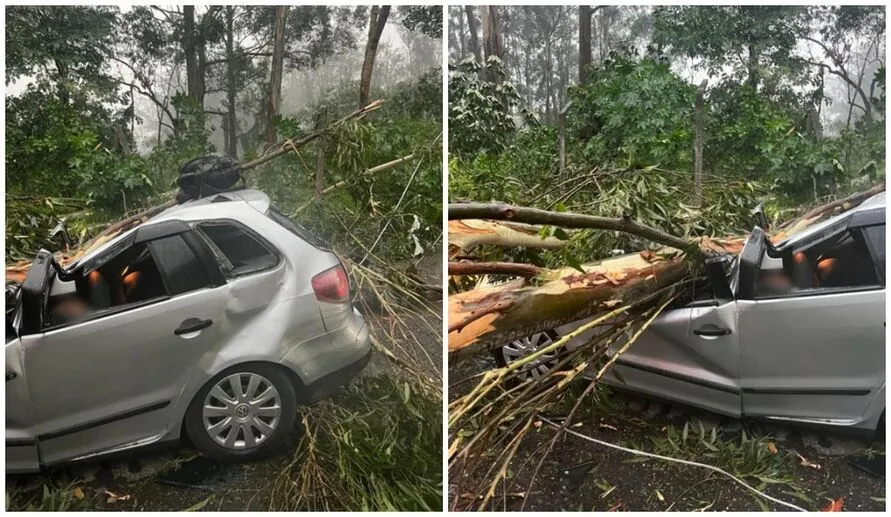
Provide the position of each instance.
(841, 261)
(876, 237)
(242, 252)
(182, 270)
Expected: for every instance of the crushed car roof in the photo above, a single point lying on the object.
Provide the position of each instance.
(875, 202)
(197, 209)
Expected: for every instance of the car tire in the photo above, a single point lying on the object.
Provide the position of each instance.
(215, 402)
(508, 353)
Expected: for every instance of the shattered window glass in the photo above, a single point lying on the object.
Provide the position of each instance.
(245, 253)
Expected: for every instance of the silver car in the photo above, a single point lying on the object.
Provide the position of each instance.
(794, 332)
(215, 318)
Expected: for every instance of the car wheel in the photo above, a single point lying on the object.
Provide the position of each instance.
(245, 413)
(522, 347)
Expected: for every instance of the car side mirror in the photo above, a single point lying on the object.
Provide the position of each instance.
(716, 272)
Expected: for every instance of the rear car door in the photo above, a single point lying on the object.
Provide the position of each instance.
(111, 381)
(818, 353)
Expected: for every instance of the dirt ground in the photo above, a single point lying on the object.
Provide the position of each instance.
(584, 476)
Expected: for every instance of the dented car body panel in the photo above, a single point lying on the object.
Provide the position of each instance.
(123, 376)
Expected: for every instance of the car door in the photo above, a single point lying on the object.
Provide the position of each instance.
(818, 354)
(110, 382)
(689, 355)
(21, 443)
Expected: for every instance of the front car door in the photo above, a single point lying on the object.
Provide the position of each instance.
(110, 382)
(688, 355)
(817, 352)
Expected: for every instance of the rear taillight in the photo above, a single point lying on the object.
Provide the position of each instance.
(332, 285)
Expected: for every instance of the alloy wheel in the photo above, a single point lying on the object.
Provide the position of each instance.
(241, 411)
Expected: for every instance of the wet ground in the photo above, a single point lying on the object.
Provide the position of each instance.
(584, 476)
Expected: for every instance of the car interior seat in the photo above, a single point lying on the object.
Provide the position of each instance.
(98, 291)
(802, 272)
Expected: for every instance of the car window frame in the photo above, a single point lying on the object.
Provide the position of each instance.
(220, 258)
(880, 271)
(214, 275)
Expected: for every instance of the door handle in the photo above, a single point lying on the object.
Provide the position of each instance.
(711, 331)
(192, 325)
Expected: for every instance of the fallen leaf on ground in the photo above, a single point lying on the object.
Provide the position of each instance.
(616, 506)
(78, 493)
(660, 496)
(807, 463)
(771, 447)
(113, 497)
(835, 505)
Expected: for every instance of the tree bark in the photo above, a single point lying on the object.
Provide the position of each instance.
(493, 268)
(565, 219)
(473, 33)
(193, 83)
(275, 81)
(697, 145)
(321, 122)
(584, 42)
(467, 234)
(492, 38)
(231, 92)
(485, 318)
(376, 23)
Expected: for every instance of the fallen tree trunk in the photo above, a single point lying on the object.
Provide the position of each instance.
(488, 317)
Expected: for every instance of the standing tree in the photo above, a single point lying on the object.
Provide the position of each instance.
(492, 39)
(584, 41)
(473, 29)
(376, 23)
(275, 82)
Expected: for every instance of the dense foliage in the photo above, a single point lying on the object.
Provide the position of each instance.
(630, 127)
(71, 121)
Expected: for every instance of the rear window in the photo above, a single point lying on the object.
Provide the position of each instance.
(242, 252)
(285, 222)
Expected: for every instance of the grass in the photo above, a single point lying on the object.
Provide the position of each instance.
(55, 496)
(377, 447)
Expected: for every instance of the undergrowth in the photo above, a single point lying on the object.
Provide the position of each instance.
(377, 447)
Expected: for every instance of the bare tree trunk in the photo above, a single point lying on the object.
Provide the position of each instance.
(562, 136)
(492, 37)
(376, 24)
(584, 42)
(321, 122)
(473, 30)
(193, 83)
(231, 120)
(275, 82)
(461, 42)
(697, 146)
